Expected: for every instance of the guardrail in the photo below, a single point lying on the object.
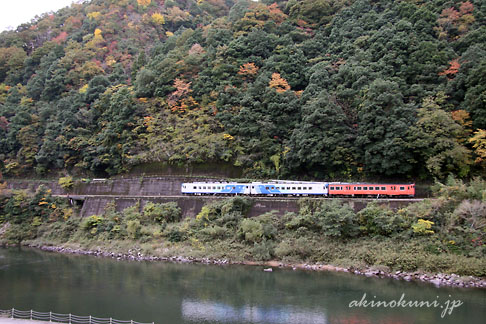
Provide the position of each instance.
(61, 318)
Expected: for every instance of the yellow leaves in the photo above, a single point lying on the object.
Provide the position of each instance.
(169, 34)
(228, 137)
(479, 145)
(110, 60)
(67, 213)
(278, 83)
(53, 206)
(157, 19)
(41, 203)
(143, 3)
(83, 89)
(94, 15)
(25, 101)
(96, 39)
(423, 227)
(248, 69)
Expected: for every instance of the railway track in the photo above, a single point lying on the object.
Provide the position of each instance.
(83, 197)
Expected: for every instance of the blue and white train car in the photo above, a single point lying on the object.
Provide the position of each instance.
(215, 188)
(290, 188)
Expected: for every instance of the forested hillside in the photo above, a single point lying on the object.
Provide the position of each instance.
(333, 89)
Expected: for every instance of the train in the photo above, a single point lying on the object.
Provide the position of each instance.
(289, 188)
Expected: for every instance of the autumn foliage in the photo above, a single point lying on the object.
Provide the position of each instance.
(278, 83)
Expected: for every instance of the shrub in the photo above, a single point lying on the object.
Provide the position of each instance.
(423, 227)
(175, 234)
(337, 219)
(379, 220)
(213, 232)
(251, 230)
(224, 213)
(66, 183)
(133, 228)
(132, 212)
(168, 212)
(263, 251)
(92, 222)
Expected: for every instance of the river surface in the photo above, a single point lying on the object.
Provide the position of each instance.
(164, 292)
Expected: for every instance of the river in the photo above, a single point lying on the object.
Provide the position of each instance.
(164, 292)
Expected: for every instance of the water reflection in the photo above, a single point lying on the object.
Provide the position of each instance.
(193, 293)
(197, 311)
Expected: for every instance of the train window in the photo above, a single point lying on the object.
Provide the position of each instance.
(402, 188)
(354, 188)
(365, 188)
(204, 187)
(195, 187)
(293, 188)
(252, 187)
(288, 188)
(383, 188)
(377, 188)
(299, 188)
(273, 188)
(408, 187)
(267, 188)
(359, 188)
(199, 187)
(332, 188)
(234, 187)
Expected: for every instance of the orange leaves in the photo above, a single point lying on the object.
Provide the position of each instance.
(454, 66)
(450, 15)
(3, 123)
(61, 38)
(462, 117)
(248, 70)
(196, 49)
(180, 100)
(143, 3)
(278, 83)
(466, 8)
(460, 19)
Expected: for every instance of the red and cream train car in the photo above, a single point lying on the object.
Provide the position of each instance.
(371, 190)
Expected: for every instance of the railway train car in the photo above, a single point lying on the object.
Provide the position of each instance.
(299, 188)
(289, 188)
(340, 189)
(215, 188)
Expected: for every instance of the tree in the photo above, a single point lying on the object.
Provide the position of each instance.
(479, 144)
(278, 83)
(383, 123)
(435, 140)
(323, 142)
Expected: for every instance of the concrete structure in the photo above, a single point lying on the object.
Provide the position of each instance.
(94, 195)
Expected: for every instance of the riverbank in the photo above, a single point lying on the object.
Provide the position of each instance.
(438, 279)
(440, 241)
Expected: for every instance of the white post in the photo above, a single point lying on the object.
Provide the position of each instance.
(110, 320)
(13, 310)
(50, 316)
(69, 318)
(31, 314)
(89, 319)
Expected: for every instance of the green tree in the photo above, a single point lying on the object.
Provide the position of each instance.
(436, 141)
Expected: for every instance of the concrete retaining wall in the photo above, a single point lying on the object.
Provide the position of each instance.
(190, 206)
(133, 190)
